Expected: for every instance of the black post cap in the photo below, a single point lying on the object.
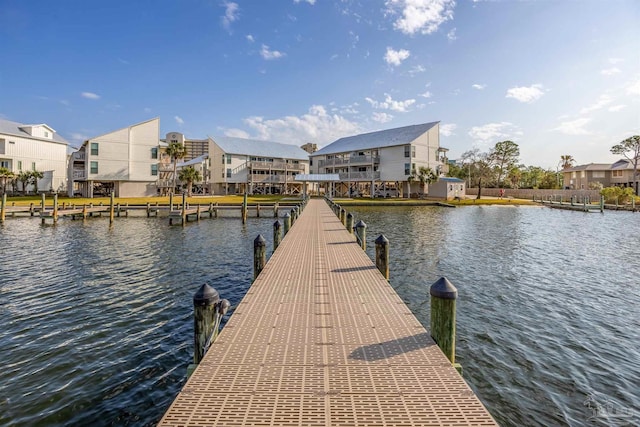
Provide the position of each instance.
(276, 224)
(381, 240)
(444, 289)
(259, 241)
(206, 296)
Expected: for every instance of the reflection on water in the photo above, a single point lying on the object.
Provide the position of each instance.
(548, 308)
(97, 321)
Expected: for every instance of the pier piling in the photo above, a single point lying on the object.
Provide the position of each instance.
(276, 234)
(361, 233)
(259, 255)
(382, 255)
(443, 317)
(3, 207)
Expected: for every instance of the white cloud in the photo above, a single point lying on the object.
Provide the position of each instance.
(250, 38)
(451, 35)
(427, 94)
(420, 16)
(615, 61)
(381, 117)
(395, 57)
(416, 70)
(270, 54)
(526, 94)
(90, 95)
(311, 2)
(391, 104)
(574, 127)
(65, 102)
(178, 120)
(317, 126)
(493, 131)
(78, 137)
(479, 86)
(236, 133)
(616, 108)
(634, 88)
(231, 14)
(602, 102)
(447, 129)
(610, 71)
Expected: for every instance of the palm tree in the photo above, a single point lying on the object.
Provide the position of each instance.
(5, 176)
(426, 176)
(176, 150)
(567, 161)
(35, 176)
(24, 177)
(189, 175)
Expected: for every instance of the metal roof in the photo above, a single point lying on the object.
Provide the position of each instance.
(450, 179)
(380, 139)
(13, 128)
(259, 148)
(195, 161)
(317, 177)
(620, 164)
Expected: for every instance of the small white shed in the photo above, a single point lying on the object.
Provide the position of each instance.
(447, 188)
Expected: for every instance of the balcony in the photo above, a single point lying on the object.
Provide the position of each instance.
(351, 160)
(79, 174)
(272, 179)
(276, 166)
(78, 156)
(359, 176)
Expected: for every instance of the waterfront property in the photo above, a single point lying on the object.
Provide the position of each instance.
(322, 339)
(448, 188)
(583, 177)
(34, 147)
(240, 165)
(124, 161)
(380, 164)
(196, 155)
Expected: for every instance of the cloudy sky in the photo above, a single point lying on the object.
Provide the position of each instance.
(555, 76)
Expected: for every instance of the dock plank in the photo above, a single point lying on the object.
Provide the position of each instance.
(322, 339)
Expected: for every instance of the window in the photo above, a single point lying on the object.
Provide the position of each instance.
(20, 165)
(413, 151)
(582, 174)
(2, 148)
(229, 173)
(154, 170)
(228, 159)
(154, 153)
(94, 167)
(407, 168)
(598, 174)
(4, 164)
(407, 151)
(46, 134)
(33, 166)
(94, 148)
(310, 162)
(616, 174)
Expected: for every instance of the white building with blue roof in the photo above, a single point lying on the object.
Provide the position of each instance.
(34, 147)
(380, 163)
(240, 165)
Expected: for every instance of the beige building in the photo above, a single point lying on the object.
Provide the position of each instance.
(380, 163)
(124, 161)
(35, 147)
(197, 156)
(584, 177)
(257, 167)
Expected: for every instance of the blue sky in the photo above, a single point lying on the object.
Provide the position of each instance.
(556, 77)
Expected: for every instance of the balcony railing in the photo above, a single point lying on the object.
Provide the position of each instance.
(359, 176)
(274, 179)
(276, 166)
(165, 183)
(352, 160)
(79, 174)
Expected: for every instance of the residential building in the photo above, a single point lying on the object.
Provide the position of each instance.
(35, 147)
(447, 188)
(380, 163)
(240, 165)
(587, 176)
(197, 155)
(124, 161)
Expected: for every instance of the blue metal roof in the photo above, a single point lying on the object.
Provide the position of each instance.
(13, 128)
(258, 148)
(384, 138)
(450, 179)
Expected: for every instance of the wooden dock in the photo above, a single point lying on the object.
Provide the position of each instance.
(322, 339)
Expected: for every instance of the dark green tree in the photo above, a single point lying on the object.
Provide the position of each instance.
(630, 149)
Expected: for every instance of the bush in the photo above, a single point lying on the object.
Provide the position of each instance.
(620, 195)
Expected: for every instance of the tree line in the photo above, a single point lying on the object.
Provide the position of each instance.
(25, 178)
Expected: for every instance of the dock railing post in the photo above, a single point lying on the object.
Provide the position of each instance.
(244, 209)
(443, 318)
(184, 208)
(259, 255)
(170, 202)
(3, 207)
(206, 304)
(258, 210)
(275, 210)
(287, 223)
(361, 232)
(350, 223)
(55, 208)
(276, 235)
(343, 216)
(382, 255)
(42, 204)
(601, 203)
(111, 207)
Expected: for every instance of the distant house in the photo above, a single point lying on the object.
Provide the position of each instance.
(197, 156)
(585, 177)
(447, 188)
(240, 165)
(380, 163)
(124, 161)
(35, 147)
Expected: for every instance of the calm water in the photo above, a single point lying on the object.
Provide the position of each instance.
(96, 322)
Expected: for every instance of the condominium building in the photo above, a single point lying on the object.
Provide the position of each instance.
(124, 161)
(381, 163)
(587, 176)
(240, 165)
(196, 156)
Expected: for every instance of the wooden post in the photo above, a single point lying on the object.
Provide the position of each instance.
(31, 208)
(601, 203)
(382, 255)
(84, 211)
(287, 223)
(55, 208)
(244, 209)
(113, 195)
(443, 317)
(343, 216)
(205, 304)
(258, 210)
(211, 210)
(259, 255)
(350, 223)
(361, 232)
(198, 212)
(184, 209)
(293, 216)
(3, 207)
(42, 204)
(170, 202)
(275, 210)
(277, 237)
(148, 209)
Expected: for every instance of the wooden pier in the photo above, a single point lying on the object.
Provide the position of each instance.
(322, 339)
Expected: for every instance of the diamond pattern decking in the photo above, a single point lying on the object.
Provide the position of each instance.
(321, 339)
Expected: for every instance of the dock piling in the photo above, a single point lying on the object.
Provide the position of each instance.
(55, 208)
(350, 223)
(361, 233)
(275, 210)
(205, 303)
(259, 255)
(287, 223)
(111, 207)
(277, 237)
(443, 317)
(382, 255)
(3, 207)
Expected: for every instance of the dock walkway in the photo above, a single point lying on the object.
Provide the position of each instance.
(322, 339)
